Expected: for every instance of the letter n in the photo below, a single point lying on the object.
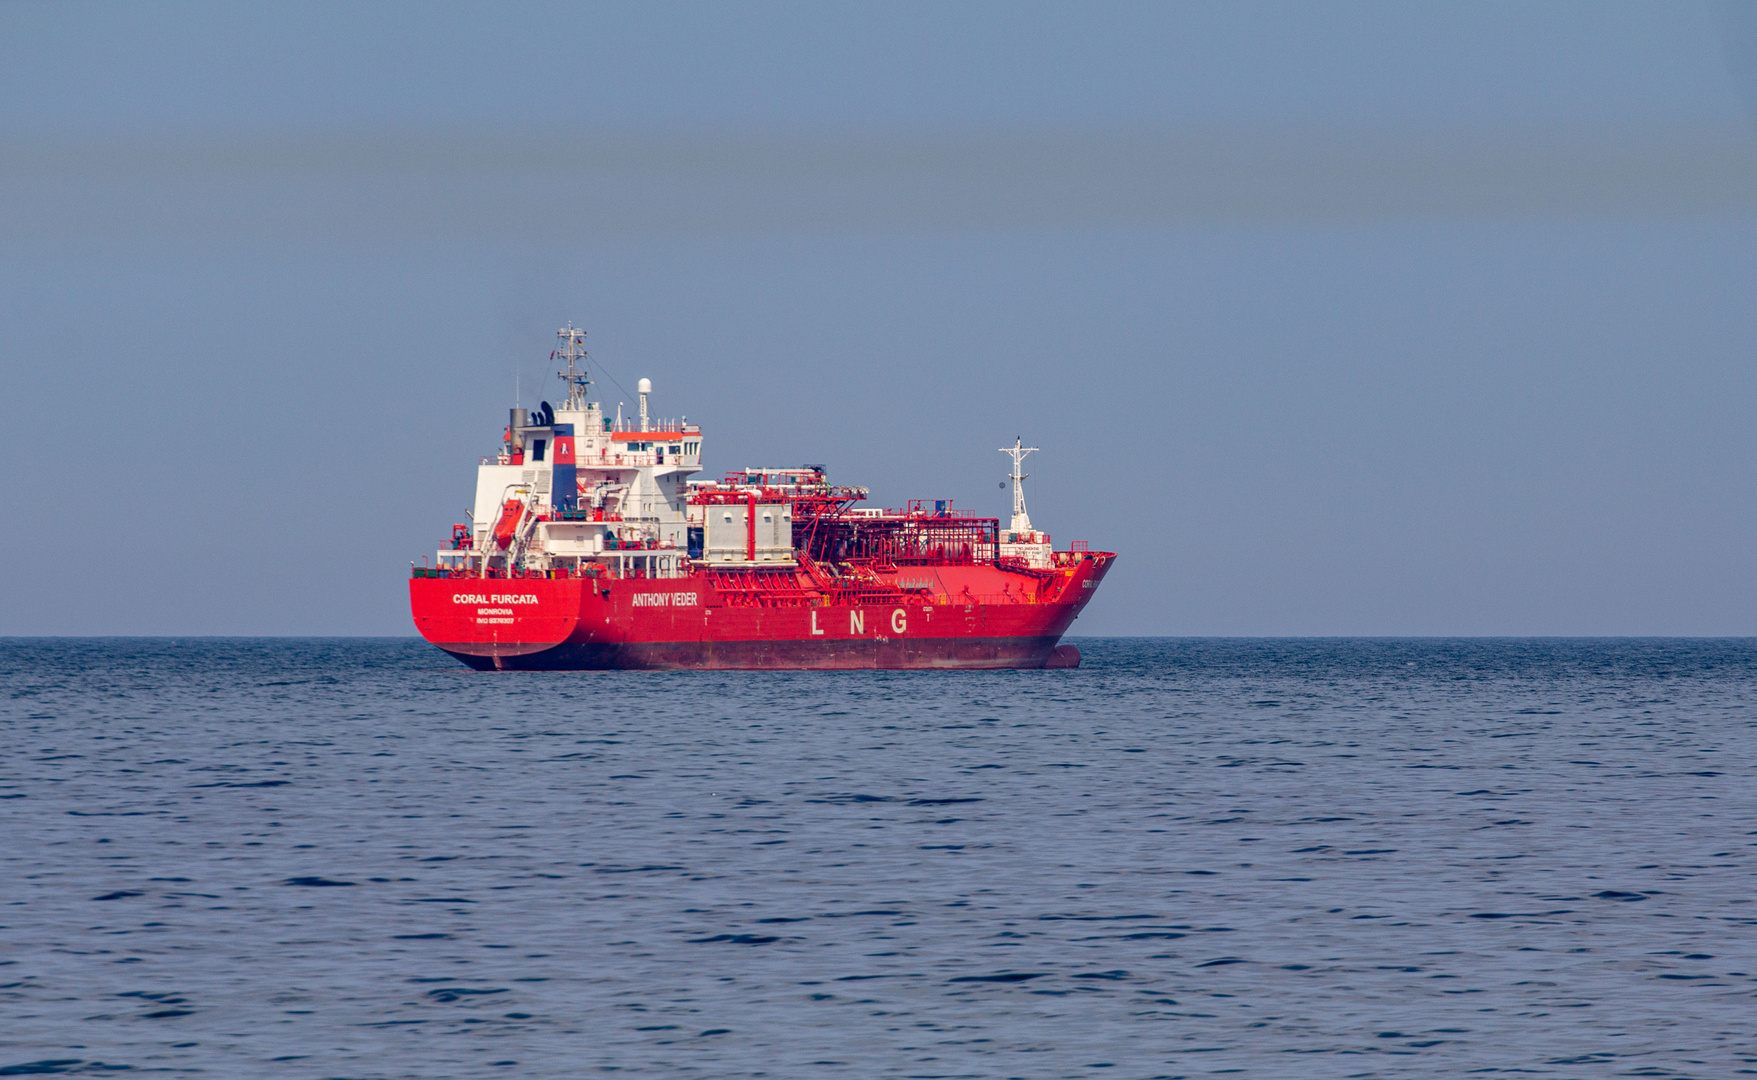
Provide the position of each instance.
(857, 622)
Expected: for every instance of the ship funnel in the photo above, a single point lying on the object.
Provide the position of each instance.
(644, 387)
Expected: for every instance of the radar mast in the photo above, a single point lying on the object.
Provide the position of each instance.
(573, 350)
(1017, 451)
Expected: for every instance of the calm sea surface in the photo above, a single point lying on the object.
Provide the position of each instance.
(1328, 858)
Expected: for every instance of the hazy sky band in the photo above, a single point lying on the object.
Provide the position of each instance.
(402, 187)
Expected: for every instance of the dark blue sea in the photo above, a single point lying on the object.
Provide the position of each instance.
(1270, 858)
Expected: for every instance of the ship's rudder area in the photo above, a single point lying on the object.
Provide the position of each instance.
(565, 657)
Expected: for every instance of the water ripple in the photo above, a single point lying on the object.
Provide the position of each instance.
(1368, 858)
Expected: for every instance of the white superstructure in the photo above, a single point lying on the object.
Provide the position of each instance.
(582, 486)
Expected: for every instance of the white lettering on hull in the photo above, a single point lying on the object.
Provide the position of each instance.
(666, 599)
(496, 598)
(857, 623)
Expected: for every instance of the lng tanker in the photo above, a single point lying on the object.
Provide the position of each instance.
(590, 545)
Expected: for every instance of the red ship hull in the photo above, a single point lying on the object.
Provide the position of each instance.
(973, 617)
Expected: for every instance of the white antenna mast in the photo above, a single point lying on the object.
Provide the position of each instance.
(573, 350)
(1017, 451)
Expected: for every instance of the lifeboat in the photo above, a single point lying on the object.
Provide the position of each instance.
(508, 523)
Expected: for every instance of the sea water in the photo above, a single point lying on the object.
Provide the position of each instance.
(1314, 858)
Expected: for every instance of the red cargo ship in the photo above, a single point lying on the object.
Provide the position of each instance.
(589, 546)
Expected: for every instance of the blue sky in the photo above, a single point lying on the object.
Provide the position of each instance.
(1332, 319)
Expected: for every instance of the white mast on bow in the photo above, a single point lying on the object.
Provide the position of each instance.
(1017, 451)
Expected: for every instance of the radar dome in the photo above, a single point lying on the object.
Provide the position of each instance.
(645, 386)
